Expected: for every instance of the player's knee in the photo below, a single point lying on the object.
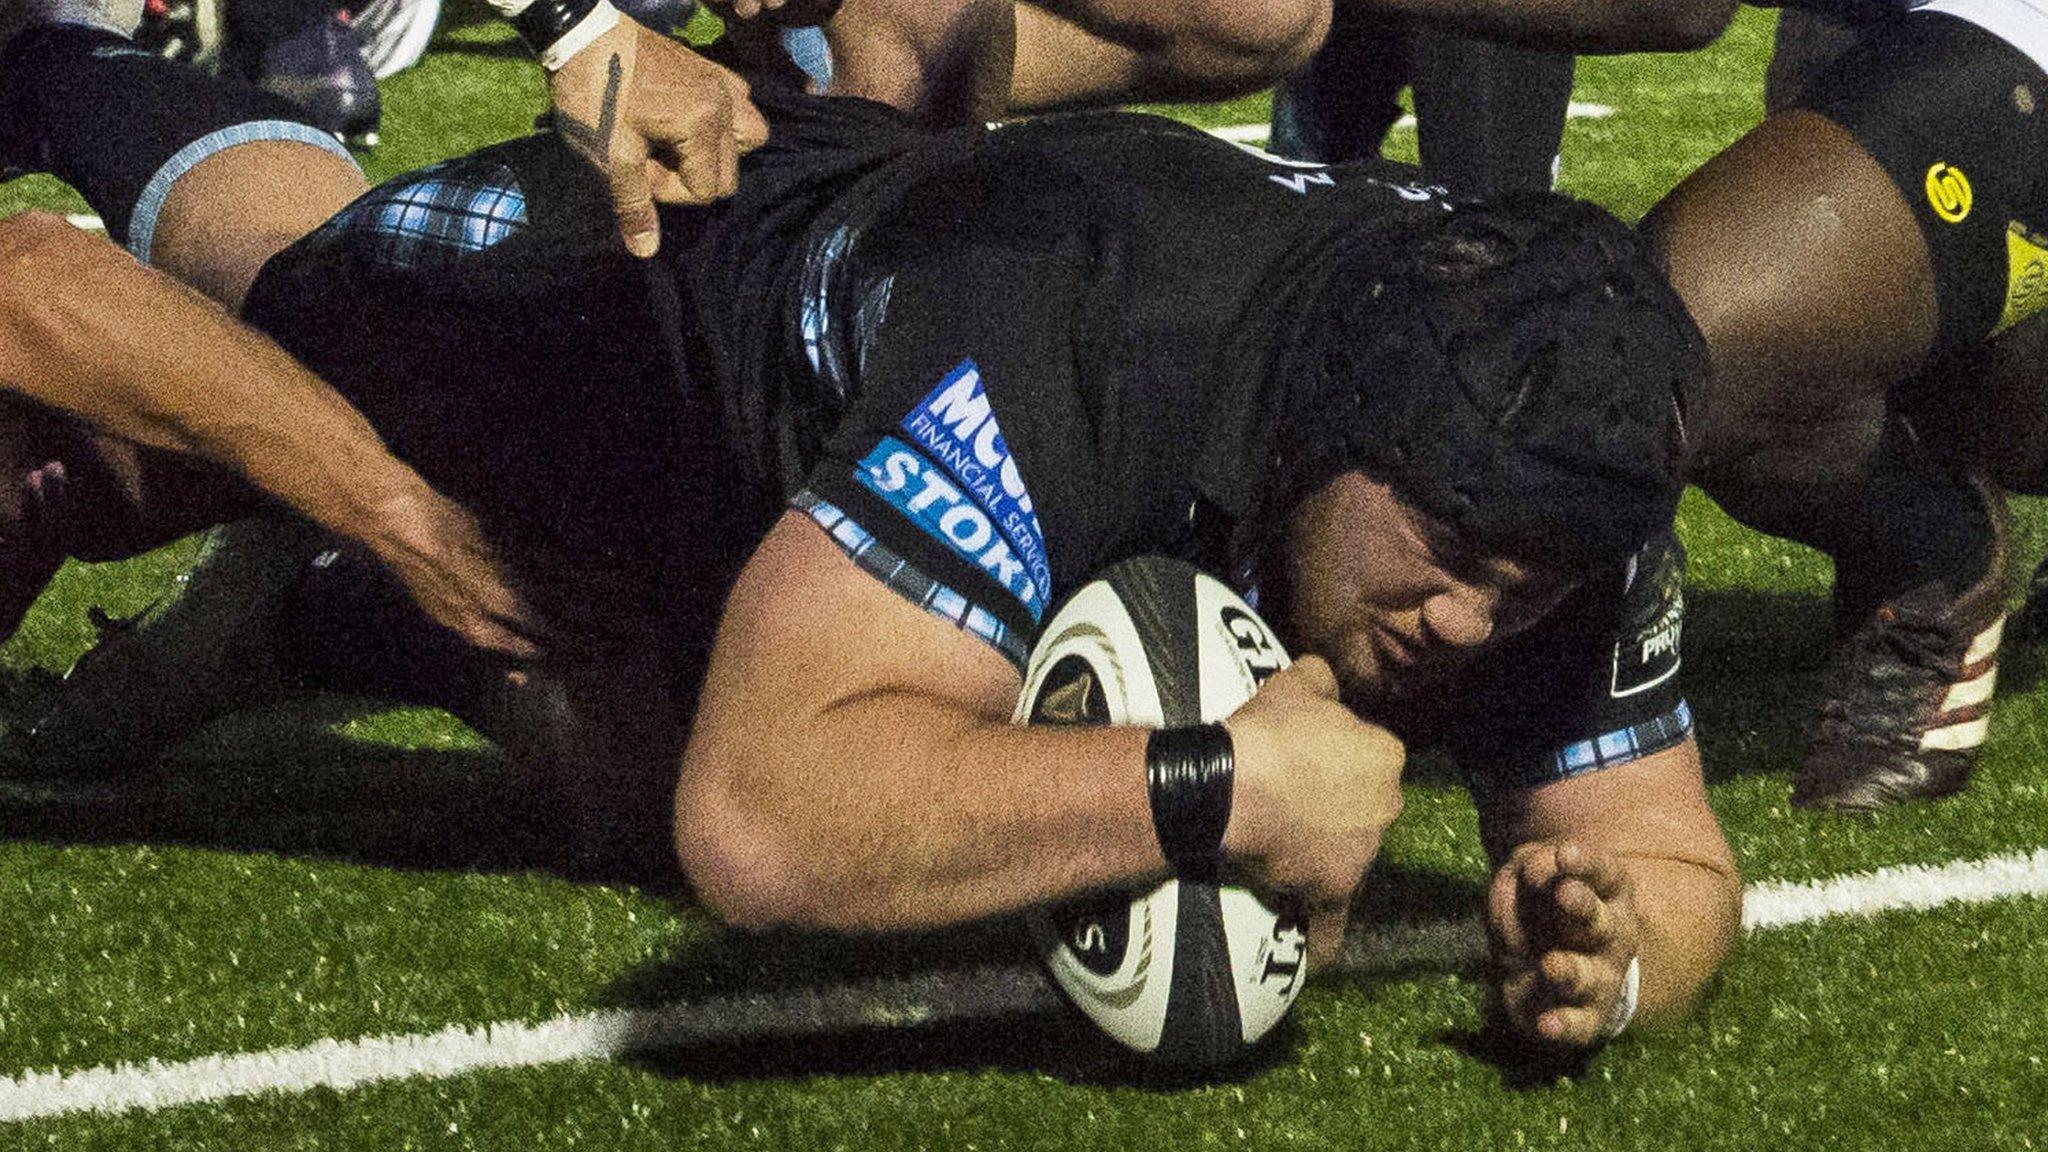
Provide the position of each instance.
(1224, 47)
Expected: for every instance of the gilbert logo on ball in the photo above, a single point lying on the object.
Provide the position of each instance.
(1191, 973)
(1948, 192)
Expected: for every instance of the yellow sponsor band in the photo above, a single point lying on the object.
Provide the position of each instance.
(1948, 192)
(2026, 275)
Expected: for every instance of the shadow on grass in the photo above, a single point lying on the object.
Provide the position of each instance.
(1751, 664)
(789, 1006)
(285, 781)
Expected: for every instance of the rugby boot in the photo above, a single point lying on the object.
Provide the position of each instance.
(321, 69)
(1906, 697)
(194, 656)
(394, 34)
(187, 30)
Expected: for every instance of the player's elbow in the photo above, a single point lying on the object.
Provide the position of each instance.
(1691, 962)
(753, 868)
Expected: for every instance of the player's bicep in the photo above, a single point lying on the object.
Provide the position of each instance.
(807, 629)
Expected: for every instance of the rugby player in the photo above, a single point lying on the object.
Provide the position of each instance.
(1864, 265)
(930, 380)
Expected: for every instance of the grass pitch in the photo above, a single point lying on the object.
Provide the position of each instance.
(312, 871)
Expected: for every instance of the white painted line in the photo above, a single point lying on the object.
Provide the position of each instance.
(87, 221)
(1258, 133)
(1776, 904)
(897, 1002)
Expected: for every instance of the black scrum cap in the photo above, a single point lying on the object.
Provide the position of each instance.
(1518, 371)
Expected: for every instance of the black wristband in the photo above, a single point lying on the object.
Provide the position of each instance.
(543, 22)
(1190, 774)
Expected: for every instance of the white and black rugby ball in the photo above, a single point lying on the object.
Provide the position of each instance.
(1189, 973)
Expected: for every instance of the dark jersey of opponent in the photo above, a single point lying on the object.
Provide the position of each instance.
(987, 362)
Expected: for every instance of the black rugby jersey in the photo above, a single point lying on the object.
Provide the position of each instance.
(987, 361)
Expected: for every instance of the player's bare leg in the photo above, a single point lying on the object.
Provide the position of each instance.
(1813, 268)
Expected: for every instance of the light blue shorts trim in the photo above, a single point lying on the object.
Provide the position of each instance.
(142, 225)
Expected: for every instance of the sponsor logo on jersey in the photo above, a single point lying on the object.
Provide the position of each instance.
(2026, 275)
(1649, 657)
(940, 508)
(955, 426)
(1948, 192)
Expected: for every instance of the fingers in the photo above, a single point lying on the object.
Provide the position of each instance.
(633, 203)
(749, 127)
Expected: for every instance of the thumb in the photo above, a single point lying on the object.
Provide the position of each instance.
(1313, 674)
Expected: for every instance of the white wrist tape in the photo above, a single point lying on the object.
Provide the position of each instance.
(1631, 992)
(601, 20)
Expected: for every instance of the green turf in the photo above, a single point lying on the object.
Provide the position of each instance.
(327, 869)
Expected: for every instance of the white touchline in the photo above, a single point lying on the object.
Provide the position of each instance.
(1258, 133)
(86, 221)
(895, 1002)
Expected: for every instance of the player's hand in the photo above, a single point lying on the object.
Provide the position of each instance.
(437, 551)
(1562, 923)
(663, 124)
(1316, 789)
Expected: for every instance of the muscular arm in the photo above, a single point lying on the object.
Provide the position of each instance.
(1650, 818)
(86, 331)
(1578, 25)
(853, 767)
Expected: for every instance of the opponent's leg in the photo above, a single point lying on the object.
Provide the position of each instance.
(1489, 117)
(1827, 256)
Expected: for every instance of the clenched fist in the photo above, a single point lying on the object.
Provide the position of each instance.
(1562, 923)
(1316, 789)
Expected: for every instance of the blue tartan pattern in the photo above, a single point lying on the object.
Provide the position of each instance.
(1606, 751)
(910, 582)
(437, 215)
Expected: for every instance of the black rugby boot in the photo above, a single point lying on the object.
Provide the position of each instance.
(1906, 697)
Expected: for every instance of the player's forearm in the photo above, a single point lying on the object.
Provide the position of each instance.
(1578, 25)
(88, 332)
(1691, 914)
(946, 62)
(890, 812)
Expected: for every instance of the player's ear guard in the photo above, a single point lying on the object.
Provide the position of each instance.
(1519, 371)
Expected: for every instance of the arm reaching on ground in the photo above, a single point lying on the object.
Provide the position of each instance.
(88, 332)
(1591, 873)
(853, 767)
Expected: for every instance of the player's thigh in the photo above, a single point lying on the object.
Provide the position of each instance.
(240, 206)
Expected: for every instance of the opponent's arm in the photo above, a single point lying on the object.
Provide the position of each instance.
(1579, 25)
(853, 767)
(88, 332)
(1591, 871)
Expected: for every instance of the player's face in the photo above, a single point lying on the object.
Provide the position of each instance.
(1390, 598)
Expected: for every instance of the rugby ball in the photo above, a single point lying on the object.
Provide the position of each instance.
(1189, 973)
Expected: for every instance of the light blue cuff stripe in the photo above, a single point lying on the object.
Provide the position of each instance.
(142, 225)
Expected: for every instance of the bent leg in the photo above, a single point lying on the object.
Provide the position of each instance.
(204, 177)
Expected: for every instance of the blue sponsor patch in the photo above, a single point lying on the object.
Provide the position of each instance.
(955, 426)
(942, 509)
